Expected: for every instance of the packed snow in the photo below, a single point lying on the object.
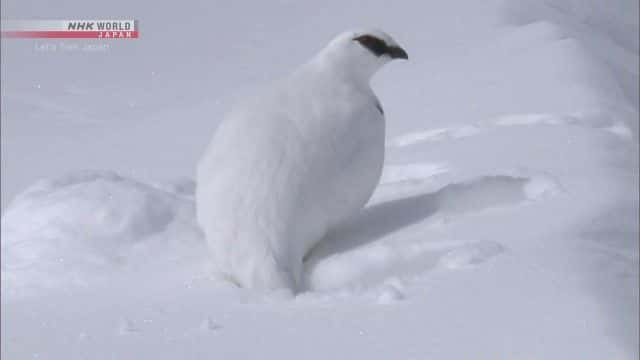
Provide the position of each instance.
(504, 226)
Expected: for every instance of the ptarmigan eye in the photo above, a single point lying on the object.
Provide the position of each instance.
(375, 45)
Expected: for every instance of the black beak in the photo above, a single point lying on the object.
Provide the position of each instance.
(396, 52)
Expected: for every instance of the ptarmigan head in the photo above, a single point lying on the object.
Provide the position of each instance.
(361, 53)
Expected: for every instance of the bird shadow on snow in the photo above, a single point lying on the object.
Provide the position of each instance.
(377, 221)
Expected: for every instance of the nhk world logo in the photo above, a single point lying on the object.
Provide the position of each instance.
(70, 29)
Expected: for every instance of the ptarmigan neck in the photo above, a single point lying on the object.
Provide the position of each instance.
(344, 67)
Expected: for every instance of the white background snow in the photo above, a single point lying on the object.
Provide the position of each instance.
(505, 225)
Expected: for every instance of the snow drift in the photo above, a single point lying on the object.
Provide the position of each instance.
(83, 227)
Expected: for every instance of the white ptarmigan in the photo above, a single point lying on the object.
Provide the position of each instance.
(286, 166)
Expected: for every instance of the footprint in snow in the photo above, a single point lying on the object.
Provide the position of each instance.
(209, 324)
(127, 327)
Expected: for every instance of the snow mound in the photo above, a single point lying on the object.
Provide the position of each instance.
(65, 230)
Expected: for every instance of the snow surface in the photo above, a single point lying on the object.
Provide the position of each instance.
(504, 227)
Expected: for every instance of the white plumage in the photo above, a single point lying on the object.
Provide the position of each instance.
(286, 166)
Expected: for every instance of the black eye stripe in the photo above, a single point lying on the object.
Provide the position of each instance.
(375, 45)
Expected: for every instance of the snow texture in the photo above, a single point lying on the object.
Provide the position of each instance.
(505, 224)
